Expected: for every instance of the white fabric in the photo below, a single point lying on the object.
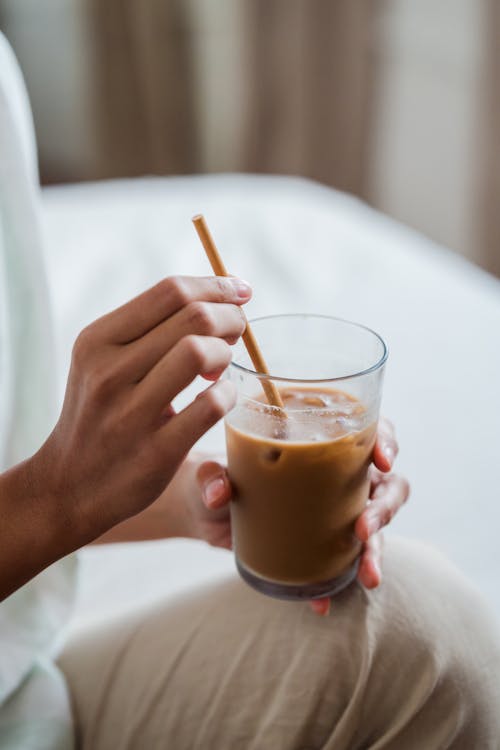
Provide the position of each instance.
(304, 247)
(27, 338)
(32, 618)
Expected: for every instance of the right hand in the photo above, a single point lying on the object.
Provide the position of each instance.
(388, 492)
(118, 441)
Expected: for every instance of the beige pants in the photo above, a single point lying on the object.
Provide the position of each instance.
(414, 665)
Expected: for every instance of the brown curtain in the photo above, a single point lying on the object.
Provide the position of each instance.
(311, 89)
(489, 195)
(143, 87)
(305, 87)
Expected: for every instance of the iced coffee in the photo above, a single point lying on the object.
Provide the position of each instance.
(301, 477)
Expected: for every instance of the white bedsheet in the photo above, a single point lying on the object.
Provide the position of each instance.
(304, 248)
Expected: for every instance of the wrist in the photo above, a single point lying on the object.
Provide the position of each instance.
(62, 531)
(34, 530)
(78, 509)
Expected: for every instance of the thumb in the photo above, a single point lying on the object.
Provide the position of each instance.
(214, 484)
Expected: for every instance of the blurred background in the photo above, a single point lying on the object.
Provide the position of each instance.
(396, 101)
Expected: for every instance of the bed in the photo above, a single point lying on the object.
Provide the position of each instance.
(304, 247)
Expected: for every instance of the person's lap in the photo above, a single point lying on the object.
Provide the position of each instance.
(413, 664)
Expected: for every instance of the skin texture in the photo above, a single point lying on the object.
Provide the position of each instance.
(196, 505)
(118, 442)
(116, 466)
(388, 492)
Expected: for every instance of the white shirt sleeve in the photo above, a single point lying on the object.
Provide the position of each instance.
(31, 619)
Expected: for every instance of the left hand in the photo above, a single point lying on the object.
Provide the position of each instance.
(388, 492)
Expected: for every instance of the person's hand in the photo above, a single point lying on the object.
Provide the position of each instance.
(118, 441)
(180, 511)
(388, 492)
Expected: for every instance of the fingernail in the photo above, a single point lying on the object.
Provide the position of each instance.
(389, 453)
(321, 607)
(242, 288)
(213, 490)
(327, 608)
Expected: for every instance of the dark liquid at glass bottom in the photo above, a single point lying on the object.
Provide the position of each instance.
(295, 592)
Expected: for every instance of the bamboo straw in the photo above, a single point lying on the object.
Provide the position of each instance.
(219, 269)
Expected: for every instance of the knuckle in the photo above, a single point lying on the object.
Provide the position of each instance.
(378, 477)
(242, 319)
(386, 515)
(102, 381)
(194, 350)
(176, 289)
(223, 354)
(83, 347)
(222, 287)
(155, 465)
(226, 353)
(201, 317)
(404, 487)
(214, 407)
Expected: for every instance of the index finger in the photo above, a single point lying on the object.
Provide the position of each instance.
(143, 313)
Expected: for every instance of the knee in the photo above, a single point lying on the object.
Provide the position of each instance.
(433, 655)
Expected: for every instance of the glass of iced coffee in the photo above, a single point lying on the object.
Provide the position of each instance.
(300, 478)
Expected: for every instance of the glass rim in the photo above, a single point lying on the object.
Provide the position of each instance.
(282, 379)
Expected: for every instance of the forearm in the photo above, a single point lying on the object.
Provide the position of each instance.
(146, 526)
(37, 529)
(34, 530)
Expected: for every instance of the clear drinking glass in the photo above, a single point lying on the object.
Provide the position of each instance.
(301, 481)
